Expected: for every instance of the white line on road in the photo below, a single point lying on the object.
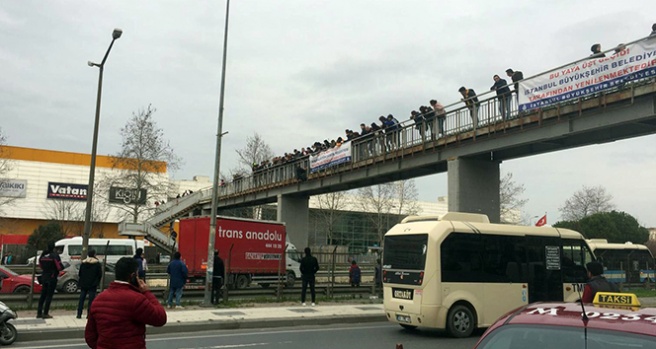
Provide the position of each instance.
(271, 332)
(230, 346)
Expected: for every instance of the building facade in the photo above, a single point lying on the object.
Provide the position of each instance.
(40, 186)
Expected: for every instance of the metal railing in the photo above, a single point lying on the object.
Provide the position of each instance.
(458, 125)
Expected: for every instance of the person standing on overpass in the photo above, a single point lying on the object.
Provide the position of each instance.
(309, 267)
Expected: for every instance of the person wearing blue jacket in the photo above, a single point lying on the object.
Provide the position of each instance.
(177, 271)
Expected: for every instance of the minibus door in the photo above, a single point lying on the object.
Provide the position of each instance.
(544, 269)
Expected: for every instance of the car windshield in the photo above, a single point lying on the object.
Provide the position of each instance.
(559, 337)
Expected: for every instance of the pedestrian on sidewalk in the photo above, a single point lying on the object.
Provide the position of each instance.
(354, 274)
(139, 256)
(309, 267)
(90, 275)
(119, 315)
(51, 265)
(217, 277)
(177, 271)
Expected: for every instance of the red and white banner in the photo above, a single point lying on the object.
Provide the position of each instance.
(542, 221)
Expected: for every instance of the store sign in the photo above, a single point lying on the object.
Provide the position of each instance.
(13, 188)
(118, 195)
(67, 191)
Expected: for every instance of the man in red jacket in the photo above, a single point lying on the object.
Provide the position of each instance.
(119, 315)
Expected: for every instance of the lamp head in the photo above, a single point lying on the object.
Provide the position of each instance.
(117, 33)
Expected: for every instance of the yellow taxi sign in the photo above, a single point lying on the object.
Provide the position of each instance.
(615, 298)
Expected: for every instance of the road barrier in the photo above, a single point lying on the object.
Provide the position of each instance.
(195, 293)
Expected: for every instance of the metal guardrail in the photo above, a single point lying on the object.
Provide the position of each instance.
(19, 301)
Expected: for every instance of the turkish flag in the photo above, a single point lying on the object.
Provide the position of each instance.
(542, 221)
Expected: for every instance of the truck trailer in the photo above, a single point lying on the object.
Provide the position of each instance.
(253, 251)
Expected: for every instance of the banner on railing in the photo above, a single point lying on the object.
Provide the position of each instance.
(331, 157)
(634, 62)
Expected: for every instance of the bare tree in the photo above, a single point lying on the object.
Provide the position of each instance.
(384, 200)
(5, 167)
(510, 200)
(255, 151)
(585, 202)
(379, 200)
(331, 208)
(69, 214)
(405, 198)
(144, 158)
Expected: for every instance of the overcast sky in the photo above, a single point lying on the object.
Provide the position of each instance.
(300, 71)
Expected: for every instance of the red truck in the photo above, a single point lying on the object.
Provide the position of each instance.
(252, 251)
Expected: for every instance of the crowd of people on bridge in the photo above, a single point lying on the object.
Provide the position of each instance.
(429, 120)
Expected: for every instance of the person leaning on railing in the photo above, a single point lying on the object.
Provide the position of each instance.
(440, 112)
(472, 103)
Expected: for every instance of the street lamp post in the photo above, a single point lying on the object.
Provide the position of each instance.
(92, 169)
(207, 297)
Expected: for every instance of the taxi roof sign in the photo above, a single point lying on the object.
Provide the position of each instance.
(616, 299)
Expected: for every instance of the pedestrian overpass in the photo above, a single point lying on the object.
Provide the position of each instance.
(616, 109)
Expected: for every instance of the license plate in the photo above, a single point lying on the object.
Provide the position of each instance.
(403, 318)
(402, 293)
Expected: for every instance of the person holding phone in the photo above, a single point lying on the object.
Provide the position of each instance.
(119, 315)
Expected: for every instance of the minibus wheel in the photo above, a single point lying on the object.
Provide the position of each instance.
(460, 321)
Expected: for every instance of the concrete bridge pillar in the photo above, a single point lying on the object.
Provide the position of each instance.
(295, 212)
(473, 187)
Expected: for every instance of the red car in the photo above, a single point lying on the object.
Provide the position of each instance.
(14, 283)
(616, 324)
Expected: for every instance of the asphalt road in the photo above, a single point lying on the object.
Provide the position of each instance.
(380, 335)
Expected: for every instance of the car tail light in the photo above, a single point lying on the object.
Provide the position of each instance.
(62, 273)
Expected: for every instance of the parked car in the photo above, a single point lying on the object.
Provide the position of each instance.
(15, 283)
(31, 260)
(70, 276)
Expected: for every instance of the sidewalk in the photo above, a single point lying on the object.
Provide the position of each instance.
(65, 325)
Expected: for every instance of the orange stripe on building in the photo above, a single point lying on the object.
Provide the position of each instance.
(69, 158)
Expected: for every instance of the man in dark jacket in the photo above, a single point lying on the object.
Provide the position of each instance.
(503, 95)
(218, 277)
(119, 315)
(472, 103)
(596, 282)
(516, 77)
(309, 267)
(140, 259)
(90, 275)
(51, 265)
(178, 272)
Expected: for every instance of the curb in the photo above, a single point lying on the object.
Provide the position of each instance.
(34, 335)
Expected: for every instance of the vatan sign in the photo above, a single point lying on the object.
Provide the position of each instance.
(118, 195)
(635, 62)
(13, 188)
(67, 191)
(331, 157)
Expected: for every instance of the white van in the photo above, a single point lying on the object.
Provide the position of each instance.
(113, 249)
